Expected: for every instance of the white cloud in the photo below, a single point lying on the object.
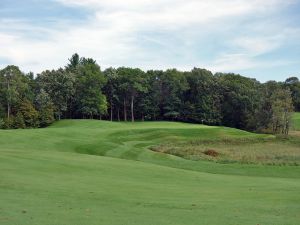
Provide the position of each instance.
(232, 62)
(258, 45)
(111, 34)
(244, 50)
(172, 12)
(242, 62)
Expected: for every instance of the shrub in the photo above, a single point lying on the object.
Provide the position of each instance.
(19, 121)
(8, 123)
(211, 152)
(46, 117)
(2, 123)
(30, 114)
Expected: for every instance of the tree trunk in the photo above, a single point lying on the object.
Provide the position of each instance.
(8, 100)
(132, 113)
(8, 110)
(286, 124)
(70, 110)
(111, 110)
(118, 114)
(125, 113)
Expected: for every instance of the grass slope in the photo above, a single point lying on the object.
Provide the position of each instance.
(45, 181)
(296, 121)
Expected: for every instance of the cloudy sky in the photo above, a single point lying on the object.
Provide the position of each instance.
(257, 38)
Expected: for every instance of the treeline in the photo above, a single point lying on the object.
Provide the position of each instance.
(82, 90)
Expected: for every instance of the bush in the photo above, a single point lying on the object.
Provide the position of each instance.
(46, 117)
(8, 123)
(211, 152)
(30, 115)
(1, 123)
(19, 121)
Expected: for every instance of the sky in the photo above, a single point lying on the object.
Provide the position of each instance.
(257, 38)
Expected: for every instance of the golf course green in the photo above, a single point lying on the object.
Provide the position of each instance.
(89, 172)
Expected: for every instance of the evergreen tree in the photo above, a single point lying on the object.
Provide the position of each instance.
(90, 101)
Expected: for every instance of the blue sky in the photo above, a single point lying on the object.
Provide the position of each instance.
(258, 38)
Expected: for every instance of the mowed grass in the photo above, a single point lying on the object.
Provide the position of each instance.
(92, 172)
(296, 121)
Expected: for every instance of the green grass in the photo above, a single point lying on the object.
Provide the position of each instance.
(296, 121)
(91, 172)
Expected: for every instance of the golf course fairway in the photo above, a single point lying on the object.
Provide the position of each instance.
(89, 172)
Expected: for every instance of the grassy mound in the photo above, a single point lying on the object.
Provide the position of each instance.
(296, 121)
(45, 181)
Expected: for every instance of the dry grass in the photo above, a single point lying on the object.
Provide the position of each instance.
(274, 152)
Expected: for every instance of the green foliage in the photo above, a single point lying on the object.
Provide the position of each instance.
(172, 86)
(282, 108)
(89, 97)
(74, 62)
(110, 90)
(18, 121)
(2, 123)
(153, 102)
(8, 122)
(275, 109)
(59, 85)
(45, 108)
(239, 100)
(29, 113)
(14, 86)
(172, 115)
(293, 84)
(2, 111)
(82, 90)
(202, 99)
(46, 117)
(132, 83)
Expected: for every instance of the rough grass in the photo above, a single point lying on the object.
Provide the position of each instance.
(247, 150)
(279, 151)
(116, 179)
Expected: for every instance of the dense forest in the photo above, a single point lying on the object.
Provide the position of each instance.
(82, 90)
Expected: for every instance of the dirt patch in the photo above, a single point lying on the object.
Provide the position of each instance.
(211, 152)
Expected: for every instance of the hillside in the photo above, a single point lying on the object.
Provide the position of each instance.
(92, 172)
(296, 121)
